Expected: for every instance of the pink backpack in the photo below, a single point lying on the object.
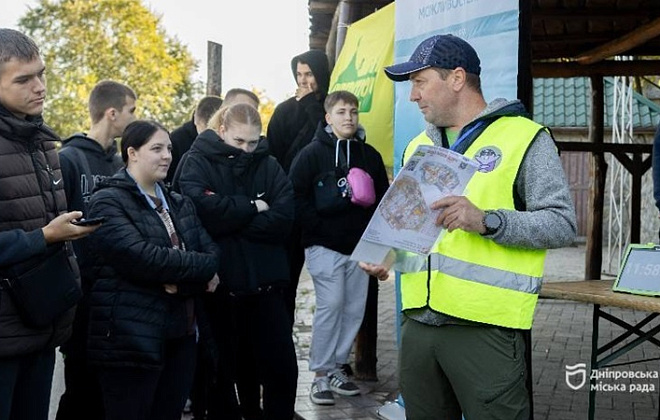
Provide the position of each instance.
(360, 184)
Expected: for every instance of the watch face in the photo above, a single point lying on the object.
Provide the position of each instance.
(492, 221)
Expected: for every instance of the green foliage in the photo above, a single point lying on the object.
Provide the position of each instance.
(84, 42)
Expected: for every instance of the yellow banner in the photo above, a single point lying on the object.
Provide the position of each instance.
(368, 47)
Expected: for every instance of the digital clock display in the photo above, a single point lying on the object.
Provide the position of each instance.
(641, 272)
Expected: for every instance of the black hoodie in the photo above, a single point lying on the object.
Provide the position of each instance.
(102, 164)
(80, 177)
(293, 122)
(182, 138)
(340, 231)
(84, 165)
(223, 182)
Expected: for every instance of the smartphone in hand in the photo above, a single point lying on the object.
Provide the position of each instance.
(89, 222)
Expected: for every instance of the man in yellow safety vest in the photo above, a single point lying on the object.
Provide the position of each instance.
(465, 310)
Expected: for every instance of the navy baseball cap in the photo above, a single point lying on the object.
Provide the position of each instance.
(441, 51)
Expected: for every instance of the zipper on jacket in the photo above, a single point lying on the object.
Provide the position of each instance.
(38, 168)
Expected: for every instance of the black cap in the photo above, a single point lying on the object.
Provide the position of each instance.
(441, 51)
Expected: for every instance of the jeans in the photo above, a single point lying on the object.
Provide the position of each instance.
(141, 394)
(25, 383)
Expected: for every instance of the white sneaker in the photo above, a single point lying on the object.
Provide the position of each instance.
(340, 383)
(321, 393)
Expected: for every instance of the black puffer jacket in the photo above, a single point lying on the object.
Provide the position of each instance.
(341, 231)
(31, 194)
(223, 181)
(84, 164)
(130, 312)
(182, 138)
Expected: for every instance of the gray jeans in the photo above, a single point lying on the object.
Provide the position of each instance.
(341, 295)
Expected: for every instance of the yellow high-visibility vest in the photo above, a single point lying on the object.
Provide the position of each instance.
(471, 277)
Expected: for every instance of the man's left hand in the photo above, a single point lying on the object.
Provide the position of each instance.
(459, 213)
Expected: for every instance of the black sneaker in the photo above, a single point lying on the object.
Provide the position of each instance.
(320, 392)
(347, 369)
(340, 384)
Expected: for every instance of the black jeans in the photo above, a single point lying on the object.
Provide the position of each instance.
(25, 383)
(82, 396)
(202, 382)
(143, 394)
(263, 350)
(296, 258)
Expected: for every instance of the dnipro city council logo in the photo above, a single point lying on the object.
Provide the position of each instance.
(576, 375)
(489, 158)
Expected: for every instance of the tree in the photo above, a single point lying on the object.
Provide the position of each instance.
(83, 42)
(266, 107)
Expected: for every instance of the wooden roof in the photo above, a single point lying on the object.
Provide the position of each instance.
(584, 35)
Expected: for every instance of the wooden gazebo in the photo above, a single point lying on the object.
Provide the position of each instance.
(558, 38)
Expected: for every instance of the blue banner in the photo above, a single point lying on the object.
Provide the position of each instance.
(491, 27)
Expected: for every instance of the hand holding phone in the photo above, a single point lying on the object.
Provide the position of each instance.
(89, 222)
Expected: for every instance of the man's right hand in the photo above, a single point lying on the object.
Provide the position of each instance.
(380, 271)
(303, 91)
(61, 229)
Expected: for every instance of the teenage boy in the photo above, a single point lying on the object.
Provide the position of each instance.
(86, 159)
(183, 136)
(33, 225)
(329, 239)
(291, 128)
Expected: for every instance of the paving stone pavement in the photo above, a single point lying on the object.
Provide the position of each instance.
(561, 335)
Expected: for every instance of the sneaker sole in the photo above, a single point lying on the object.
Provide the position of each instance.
(345, 392)
(321, 401)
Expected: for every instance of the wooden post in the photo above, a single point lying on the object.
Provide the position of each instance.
(636, 198)
(637, 167)
(331, 44)
(525, 81)
(214, 69)
(526, 96)
(594, 251)
(367, 339)
(344, 19)
(365, 347)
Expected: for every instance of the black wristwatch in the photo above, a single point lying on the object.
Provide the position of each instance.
(492, 221)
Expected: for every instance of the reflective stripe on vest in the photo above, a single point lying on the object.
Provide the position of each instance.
(472, 272)
(472, 277)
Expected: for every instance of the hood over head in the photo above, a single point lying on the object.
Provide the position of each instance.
(318, 62)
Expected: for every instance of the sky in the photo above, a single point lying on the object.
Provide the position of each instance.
(258, 38)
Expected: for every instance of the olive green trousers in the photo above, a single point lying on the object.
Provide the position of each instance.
(478, 371)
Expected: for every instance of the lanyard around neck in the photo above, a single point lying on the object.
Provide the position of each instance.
(465, 135)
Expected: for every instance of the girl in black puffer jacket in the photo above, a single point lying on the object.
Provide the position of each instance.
(151, 258)
(245, 202)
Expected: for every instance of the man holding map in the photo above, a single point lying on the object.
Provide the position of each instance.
(465, 310)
